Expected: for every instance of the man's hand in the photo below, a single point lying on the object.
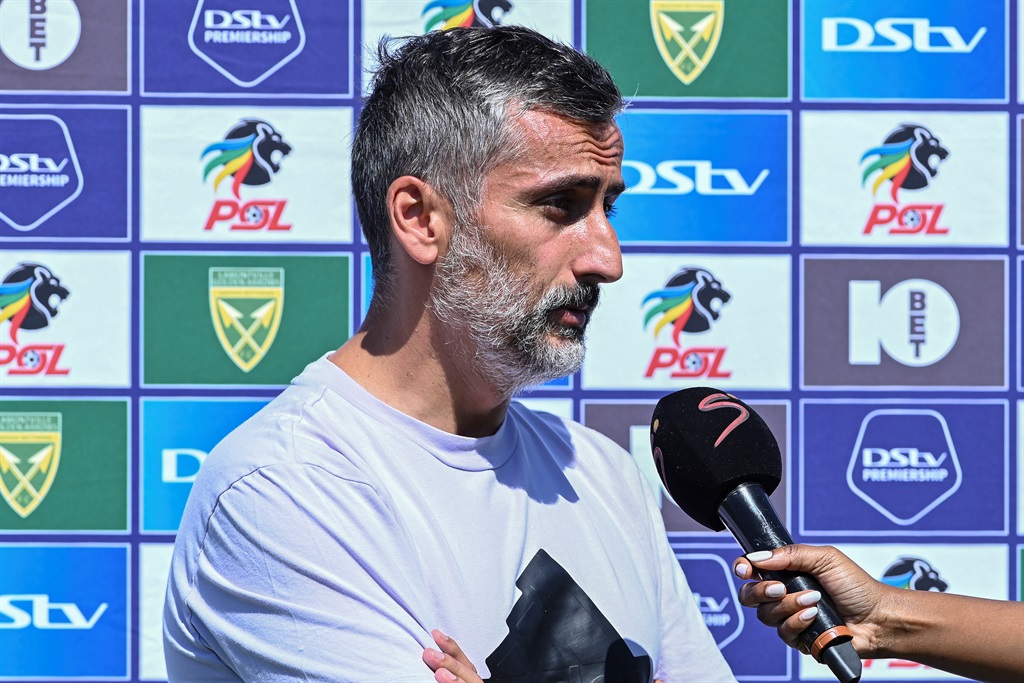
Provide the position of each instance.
(451, 664)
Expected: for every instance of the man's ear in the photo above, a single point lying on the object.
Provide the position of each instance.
(419, 220)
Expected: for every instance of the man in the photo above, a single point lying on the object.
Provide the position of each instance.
(393, 495)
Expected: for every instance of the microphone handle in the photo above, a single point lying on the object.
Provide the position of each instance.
(749, 514)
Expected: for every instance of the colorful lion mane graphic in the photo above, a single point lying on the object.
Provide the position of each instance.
(687, 302)
(29, 296)
(250, 152)
(905, 158)
(465, 13)
(914, 573)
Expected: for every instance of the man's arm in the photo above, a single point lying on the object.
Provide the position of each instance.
(300, 575)
(972, 637)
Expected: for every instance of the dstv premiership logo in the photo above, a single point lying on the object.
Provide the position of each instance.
(714, 591)
(39, 170)
(689, 303)
(244, 43)
(250, 155)
(909, 159)
(687, 33)
(39, 34)
(904, 463)
(246, 306)
(446, 14)
(917, 322)
(29, 299)
(29, 456)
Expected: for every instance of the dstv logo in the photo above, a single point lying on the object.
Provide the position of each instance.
(902, 464)
(40, 612)
(243, 19)
(699, 176)
(849, 34)
(30, 163)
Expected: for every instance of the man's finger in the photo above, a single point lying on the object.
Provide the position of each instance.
(450, 647)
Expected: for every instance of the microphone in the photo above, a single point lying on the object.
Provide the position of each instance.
(719, 462)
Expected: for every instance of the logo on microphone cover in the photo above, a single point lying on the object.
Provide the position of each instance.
(716, 401)
(29, 299)
(247, 41)
(689, 303)
(250, 155)
(916, 322)
(908, 159)
(904, 463)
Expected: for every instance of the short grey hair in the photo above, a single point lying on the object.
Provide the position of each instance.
(439, 110)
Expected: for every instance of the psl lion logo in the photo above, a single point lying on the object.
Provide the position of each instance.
(251, 153)
(465, 13)
(29, 297)
(909, 158)
(690, 302)
(915, 574)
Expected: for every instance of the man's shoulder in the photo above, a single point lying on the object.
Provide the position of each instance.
(297, 430)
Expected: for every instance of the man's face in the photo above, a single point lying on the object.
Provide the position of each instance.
(523, 282)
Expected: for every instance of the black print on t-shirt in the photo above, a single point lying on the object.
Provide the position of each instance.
(557, 635)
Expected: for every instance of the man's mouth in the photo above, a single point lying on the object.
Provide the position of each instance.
(571, 317)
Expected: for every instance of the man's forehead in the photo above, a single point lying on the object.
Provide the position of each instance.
(547, 140)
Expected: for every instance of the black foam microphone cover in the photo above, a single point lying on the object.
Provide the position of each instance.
(719, 461)
(716, 442)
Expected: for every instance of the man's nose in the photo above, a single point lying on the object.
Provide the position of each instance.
(600, 259)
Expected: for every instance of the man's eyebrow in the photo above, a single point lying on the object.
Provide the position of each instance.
(569, 182)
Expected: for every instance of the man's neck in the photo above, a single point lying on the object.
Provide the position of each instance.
(414, 365)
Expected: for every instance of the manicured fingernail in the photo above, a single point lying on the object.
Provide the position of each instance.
(742, 570)
(776, 590)
(809, 614)
(449, 675)
(759, 556)
(808, 599)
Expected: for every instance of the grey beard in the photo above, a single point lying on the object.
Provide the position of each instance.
(479, 292)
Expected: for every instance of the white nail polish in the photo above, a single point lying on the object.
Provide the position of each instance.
(776, 590)
(742, 570)
(809, 614)
(808, 599)
(759, 556)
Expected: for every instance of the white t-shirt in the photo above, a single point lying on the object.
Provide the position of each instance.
(327, 536)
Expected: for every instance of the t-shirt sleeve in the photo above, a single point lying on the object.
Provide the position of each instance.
(688, 650)
(305, 576)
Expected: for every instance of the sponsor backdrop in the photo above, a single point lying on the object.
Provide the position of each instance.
(823, 217)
